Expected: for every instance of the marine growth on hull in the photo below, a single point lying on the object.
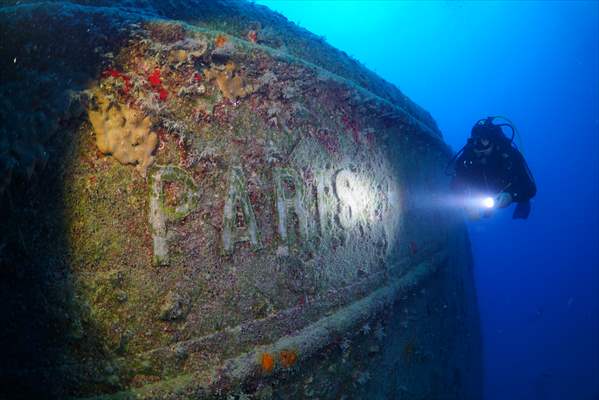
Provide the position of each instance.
(202, 200)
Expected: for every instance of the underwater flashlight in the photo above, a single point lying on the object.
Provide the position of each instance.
(489, 202)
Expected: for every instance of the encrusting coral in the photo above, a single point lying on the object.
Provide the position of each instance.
(288, 358)
(229, 81)
(268, 362)
(123, 133)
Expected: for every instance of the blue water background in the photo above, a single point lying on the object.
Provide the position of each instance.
(536, 62)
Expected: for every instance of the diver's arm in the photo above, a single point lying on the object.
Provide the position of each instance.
(462, 177)
(503, 199)
(522, 187)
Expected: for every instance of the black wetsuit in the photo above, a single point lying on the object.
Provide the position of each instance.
(502, 170)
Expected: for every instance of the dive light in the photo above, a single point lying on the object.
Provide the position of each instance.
(489, 202)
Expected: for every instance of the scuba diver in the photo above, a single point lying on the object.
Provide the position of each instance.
(491, 172)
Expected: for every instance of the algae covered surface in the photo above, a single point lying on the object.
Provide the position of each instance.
(194, 206)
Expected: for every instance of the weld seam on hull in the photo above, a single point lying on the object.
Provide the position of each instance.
(306, 342)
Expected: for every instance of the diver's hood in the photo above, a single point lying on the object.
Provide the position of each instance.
(486, 129)
(485, 133)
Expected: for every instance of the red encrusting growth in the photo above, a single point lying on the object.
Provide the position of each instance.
(111, 72)
(329, 140)
(156, 82)
(220, 41)
(288, 358)
(117, 74)
(182, 151)
(268, 362)
(162, 94)
(197, 77)
(162, 138)
(252, 36)
(353, 127)
(154, 78)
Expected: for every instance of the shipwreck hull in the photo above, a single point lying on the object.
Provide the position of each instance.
(201, 200)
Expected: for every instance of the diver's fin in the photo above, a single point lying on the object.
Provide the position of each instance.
(522, 210)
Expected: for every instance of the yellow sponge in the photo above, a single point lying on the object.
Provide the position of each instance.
(124, 133)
